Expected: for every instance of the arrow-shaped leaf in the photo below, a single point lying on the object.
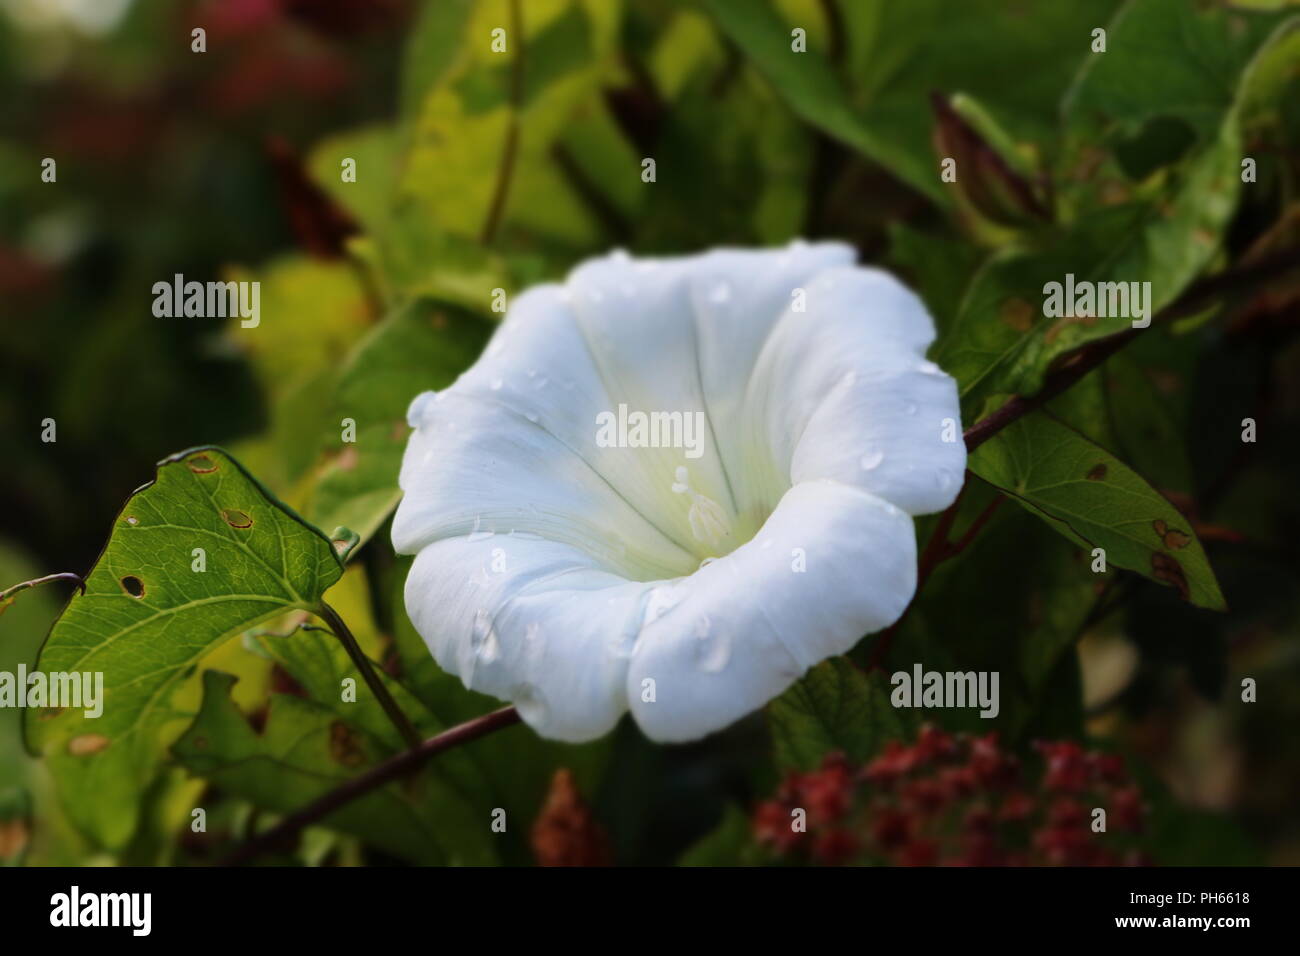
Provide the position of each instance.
(200, 554)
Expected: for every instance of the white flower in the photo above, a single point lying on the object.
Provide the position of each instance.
(581, 581)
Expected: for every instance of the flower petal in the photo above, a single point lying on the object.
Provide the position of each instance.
(473, 466)
(844, 392)
(532, 622)
(739, 631)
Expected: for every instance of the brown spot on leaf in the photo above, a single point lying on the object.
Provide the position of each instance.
(438, 321)
(1167, 569)
(1017, 314)
(1097, 472)
(132, 586)
(345, 745)
(1168, 383)
(87, 744)
(236, 518)
(347, 459)
(1175, 539)
(1160, 526)
(282, 682)
(201, 464)
(565, 833)
(14, 835)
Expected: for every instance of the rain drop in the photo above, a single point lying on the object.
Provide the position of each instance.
(712, 651)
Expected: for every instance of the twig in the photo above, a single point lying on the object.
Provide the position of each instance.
(362, 663)
(6, 596)
(391, 769)
(510, 150)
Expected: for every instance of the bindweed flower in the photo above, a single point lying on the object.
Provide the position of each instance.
(671, 486)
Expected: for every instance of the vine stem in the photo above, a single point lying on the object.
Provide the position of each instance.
(362, 663)
(1073, 367)
(510, 150)
(9, 592)
(391, 769)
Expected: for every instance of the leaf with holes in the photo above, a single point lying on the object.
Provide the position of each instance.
(1095, 500)
(202, 553)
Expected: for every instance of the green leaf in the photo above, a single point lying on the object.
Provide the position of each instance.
(304, 750)
(462, 126)
(1164, 229)
(419, 347)
(1095, 500)
(809, 85)
(147, 619)
(999, 340)
(730, 844)
(834, 707)
(1020, 58)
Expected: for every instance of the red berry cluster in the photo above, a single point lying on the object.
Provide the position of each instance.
(956, 801)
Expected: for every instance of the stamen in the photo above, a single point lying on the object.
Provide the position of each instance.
(708, 520)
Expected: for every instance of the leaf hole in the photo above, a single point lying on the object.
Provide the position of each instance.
(202, 465)
(133, 586)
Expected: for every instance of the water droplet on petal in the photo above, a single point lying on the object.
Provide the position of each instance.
(720, 293)
(910, 408)
(530, 703)
(871, 459)
(418, 410)
(660, 601)
(496, 384)
(712, 651)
